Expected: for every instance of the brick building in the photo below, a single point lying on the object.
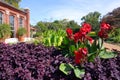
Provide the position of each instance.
(14, 17)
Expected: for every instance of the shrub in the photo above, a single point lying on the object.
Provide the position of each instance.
(5, 30)
(52, 37)
(115, 35)
(21, 31)
(116, 39)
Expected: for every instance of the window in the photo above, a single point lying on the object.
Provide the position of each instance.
(12, 25)
(20, 22)
(12, 21)
(1, 17)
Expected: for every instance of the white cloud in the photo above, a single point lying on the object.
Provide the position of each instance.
(112, 5)
(70, 14)
(72, 9)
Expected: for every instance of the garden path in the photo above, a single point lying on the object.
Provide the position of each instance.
(111, 46)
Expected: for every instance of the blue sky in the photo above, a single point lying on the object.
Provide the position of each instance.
(49, 10)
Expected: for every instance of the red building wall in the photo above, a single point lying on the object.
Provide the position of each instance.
(8, 10)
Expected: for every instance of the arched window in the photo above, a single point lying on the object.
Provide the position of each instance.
(1, 17)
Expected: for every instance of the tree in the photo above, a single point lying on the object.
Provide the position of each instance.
(41, 27)
(15, 3)
(72, 24)
(61, 24)
(56, 25)
(113, 18)
(92, 18)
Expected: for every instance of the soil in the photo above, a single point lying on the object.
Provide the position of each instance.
(111, 46)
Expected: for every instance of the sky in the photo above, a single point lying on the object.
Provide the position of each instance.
(50, 10)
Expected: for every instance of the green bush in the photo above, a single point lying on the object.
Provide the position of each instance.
(51, 38)
(5, 30)
(21, 31)
(37, 34)
(115, 35)
(117, 39)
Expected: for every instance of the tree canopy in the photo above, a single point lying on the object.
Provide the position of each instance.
(56, 25)
(15, 3)
(92, 18)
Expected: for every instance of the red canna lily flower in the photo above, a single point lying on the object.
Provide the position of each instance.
(69, 32)
(83, 31)
(90, 40)
(102, 34)
(84, 51)
(105, 26)
(76, 37)
(87, 27)
(78, 57)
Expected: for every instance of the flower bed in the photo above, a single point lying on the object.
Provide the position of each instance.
(103, 69)
(77, 57)
(30, 62)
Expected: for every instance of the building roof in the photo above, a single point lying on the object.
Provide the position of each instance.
(9, 5)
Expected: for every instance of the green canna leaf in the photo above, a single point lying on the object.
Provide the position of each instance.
(79, 73)
(107, 55)
(65, 68)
